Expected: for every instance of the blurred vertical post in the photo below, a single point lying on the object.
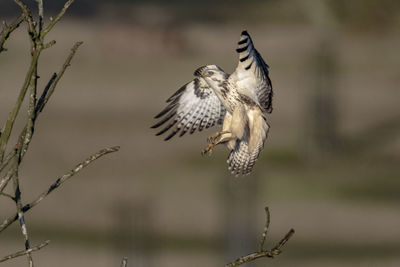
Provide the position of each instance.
(133, 232)
(321, 114)
(240, 204)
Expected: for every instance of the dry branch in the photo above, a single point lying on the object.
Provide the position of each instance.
(261, 252)
(24, 252)
(7, 30)
(57, 183)
(37, 32)
(58, 17)
(20, 213)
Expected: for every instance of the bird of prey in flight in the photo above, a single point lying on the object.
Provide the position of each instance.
(239, 101)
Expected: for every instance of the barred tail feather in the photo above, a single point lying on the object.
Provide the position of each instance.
(241, 160)
(244, 155)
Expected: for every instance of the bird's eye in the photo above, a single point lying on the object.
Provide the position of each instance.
(210, 72)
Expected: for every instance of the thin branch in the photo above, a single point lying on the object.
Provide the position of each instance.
(7, 160)
(66, 64)
(277, 249)
(29, 19)
(21, 217)
(40, 104)
(263, 253)
(40, 13)
(32, 72)
(264, 234)
(49, 89)
(7, 195)
(31, 111)
(13, 114)
(7, 30)
(57, 183)
(24, 252)
(124, 262)
(54, 21)
(4, 181)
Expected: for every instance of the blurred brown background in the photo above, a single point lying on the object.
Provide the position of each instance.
(330, 167)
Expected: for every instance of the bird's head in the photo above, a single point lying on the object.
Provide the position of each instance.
(211, 73)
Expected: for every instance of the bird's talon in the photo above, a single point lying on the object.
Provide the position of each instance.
(207, 150)
(213, 138)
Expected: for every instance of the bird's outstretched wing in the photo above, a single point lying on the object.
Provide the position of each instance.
(251, 74)
(193, 107)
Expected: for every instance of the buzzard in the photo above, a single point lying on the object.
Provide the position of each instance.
(239, 101)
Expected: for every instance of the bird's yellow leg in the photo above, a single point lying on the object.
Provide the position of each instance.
(213, 138)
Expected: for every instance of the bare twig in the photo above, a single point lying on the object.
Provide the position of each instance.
(7, 30)
(277, 249)
(7, 195)
(13, 114)
(57, 183)
(47, 93)
(56, 19)
(29, 19)
(264, 234)
(66, 64)
(24, 252)
(40, 13)
(36, 48)
(4, 181)
(124, 262)
(21, 218)
(7, 160)
(40, 104)
(263, 253)
(37, 33)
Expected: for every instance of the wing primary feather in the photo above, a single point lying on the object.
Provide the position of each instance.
(172, 134)
(164, 120)
(177, 93)
(165, 110)
(167, 128)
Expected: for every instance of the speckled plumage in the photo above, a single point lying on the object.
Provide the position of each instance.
(240, 101)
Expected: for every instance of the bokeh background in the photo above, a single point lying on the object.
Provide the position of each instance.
(330, 168)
